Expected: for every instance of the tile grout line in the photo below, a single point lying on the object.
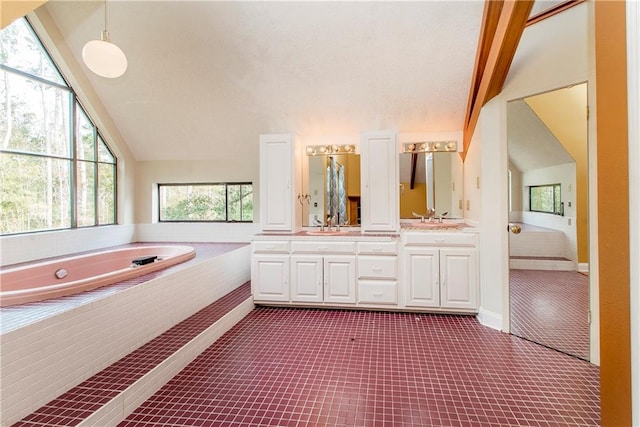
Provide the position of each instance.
(140, 391)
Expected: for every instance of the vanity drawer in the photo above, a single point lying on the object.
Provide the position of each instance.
(377, 292)
(439, 239)
(378, 248)
(323, 247)
(271, 246)
(378, 267)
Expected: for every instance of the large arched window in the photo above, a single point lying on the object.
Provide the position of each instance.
(56, 171)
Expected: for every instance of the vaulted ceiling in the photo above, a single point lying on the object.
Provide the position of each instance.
(206, 78)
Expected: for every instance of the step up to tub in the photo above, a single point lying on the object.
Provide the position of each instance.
(541, 263)
(112, 394)
(534, 241)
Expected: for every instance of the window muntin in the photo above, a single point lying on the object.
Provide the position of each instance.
(545, 198)
(57, 171)
(21, 49)
(206, 202)
(35, 193)
(35, 116)
(86, 139)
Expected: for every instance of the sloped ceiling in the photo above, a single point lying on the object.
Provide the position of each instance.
(206, 78)
(531, 144)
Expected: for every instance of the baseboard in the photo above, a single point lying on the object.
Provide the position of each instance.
(583, 267)
(490, 319)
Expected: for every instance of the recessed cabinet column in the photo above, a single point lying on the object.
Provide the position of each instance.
(380, 181)
(279, 179)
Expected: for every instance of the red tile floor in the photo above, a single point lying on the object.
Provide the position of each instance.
(551, 308)
(313, 367)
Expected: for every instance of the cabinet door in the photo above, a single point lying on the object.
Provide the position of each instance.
(306, 278)
(422, 277)
(458, 278)
(379, 181)
(270, 277)
(340, 279)
(277, 182)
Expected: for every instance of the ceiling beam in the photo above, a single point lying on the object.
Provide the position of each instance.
(503, 23)
(553, 11)
(414, 165)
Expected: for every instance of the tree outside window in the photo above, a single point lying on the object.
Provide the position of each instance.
(545, 198)
(56, 169)
(219, 202)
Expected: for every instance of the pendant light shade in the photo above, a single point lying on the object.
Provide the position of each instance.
(103, 57)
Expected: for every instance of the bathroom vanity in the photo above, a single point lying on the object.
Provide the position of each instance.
(385, 263)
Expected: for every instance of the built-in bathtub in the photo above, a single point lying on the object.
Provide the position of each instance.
(49, 348)
(68, 276)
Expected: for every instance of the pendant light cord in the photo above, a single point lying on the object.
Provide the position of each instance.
(105, 15)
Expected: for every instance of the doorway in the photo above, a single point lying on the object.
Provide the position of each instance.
(548, 214)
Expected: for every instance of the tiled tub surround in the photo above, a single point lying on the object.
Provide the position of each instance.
(107, 397)
(71, 275)
(50, 347)
(313, 367)
(539, 248)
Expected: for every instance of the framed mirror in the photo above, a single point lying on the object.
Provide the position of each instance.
(431, 181)
(331, 187)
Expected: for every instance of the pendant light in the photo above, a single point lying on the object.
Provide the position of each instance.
(103, 57)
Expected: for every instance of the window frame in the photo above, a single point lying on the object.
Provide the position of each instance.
(196, 184)
(557, 209)
(75, 107)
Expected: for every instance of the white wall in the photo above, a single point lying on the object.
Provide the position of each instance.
(150, 174)
(565, 175)
(471, 179)
(35, 246)
(552, 53)
(516, 208)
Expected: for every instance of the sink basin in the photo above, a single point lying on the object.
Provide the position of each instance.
(326, 233)
(435, 225)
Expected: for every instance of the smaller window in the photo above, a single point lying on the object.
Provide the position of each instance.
(219, 202)
(545, 198)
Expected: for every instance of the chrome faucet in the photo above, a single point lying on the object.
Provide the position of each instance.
(418, 216)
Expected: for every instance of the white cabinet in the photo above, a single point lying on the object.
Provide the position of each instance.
(458, 278)
(270, 277)
(279, 178)
(270, 271)
(320, 273)
(307, 280)
(340, 279)
(441, 271)
(378, 273)
(422, 275)
(379, 181)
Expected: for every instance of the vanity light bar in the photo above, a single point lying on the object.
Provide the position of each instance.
(430, 146)
(326, 150)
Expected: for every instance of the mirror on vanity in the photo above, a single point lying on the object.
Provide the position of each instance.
(331, 185)
(431, 180)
